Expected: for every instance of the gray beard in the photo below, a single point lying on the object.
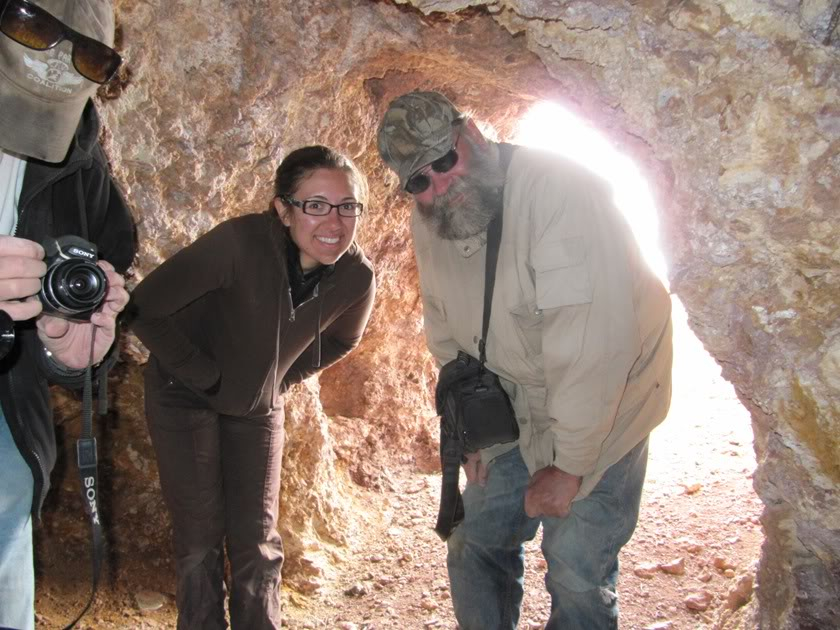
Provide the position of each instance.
(471, 201)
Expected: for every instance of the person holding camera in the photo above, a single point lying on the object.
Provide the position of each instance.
(578, 338)
(257, 304)
(54, 183)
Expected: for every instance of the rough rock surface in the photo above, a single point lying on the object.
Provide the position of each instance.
(730, 108)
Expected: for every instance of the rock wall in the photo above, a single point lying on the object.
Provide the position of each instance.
(730, 108)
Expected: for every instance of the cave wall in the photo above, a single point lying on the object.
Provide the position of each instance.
(730, 109)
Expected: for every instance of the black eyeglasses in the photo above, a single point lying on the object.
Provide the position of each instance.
(419, 182)
(35, 28)
(319, 208)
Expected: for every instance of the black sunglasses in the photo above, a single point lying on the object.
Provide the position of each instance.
(419, 182)
(35, 28)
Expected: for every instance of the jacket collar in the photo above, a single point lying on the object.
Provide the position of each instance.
(281, 242)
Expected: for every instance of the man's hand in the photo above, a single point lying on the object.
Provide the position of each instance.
(21, 268)
(69, 342)
(475, 470)
(550, 493)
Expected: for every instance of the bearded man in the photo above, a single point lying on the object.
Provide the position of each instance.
(580, 336)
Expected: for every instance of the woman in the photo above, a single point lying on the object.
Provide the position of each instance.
(255, 305)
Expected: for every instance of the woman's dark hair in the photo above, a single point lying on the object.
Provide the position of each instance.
(300, 163)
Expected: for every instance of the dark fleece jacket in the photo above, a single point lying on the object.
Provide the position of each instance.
(219, 321)
(78, 197)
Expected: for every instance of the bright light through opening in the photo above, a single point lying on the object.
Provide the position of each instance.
(705, 443)
(548, 126)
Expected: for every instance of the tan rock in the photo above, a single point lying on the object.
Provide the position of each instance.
(690, 545)
(674, 567)
(698, 601)
(646, 571)
(428, 604)
(740, 594)
(722, 564)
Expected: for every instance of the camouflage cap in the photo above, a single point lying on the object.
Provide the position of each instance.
(415, 131)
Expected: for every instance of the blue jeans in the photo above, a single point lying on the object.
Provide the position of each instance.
(486, 558)
(17, 575)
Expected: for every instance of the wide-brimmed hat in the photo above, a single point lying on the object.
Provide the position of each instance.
(41, 94)
(416, 130)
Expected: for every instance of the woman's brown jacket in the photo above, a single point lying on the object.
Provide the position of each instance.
(218, 318)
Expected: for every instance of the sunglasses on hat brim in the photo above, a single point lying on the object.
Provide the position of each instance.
(35, 28)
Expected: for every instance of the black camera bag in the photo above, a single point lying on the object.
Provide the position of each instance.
(474, 408)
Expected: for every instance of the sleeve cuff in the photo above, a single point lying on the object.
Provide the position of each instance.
(577, 467)
(62, 369)
(554, 453)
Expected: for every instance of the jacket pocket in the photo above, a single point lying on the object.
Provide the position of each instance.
(528, 318)
(437, 307)
(562, 277)
(173, 393)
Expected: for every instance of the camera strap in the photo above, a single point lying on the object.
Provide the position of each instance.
(87, 461)
(494, 238)
(451, 509)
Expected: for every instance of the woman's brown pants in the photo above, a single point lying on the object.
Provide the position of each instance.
(220, 477)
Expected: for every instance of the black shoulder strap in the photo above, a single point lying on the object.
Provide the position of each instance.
(494, 238)
(451, 510)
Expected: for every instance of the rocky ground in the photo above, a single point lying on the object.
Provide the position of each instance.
(691, 563)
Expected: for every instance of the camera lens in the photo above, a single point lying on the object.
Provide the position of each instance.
(75, 286)
(82, 284)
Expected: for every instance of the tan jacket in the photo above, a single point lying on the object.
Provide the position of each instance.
(580, 329)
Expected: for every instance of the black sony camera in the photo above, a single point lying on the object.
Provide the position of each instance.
(74, 286)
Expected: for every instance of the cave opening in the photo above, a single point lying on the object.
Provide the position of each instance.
(711, 109)
(698, 496)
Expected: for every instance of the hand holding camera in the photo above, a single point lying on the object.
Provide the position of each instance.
(21, 268)
(70, 291)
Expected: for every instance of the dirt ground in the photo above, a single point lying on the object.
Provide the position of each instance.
(690, 565)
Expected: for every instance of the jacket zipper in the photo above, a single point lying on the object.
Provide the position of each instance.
(291, 319)
(306, 301)
(13, 412)
(316, 340)
(69, 169)
(277, 342)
